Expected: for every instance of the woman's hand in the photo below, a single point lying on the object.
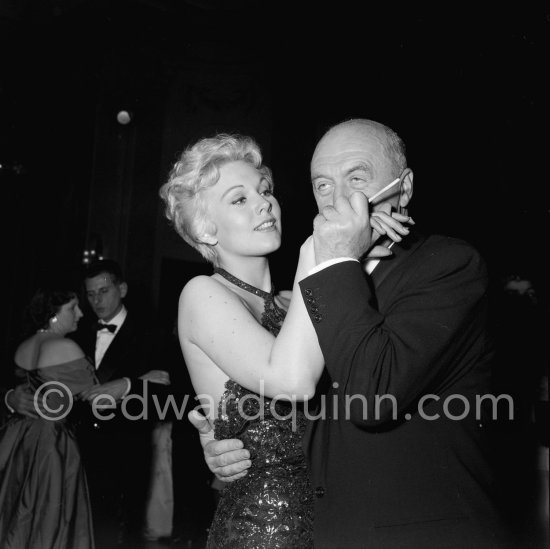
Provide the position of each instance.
(156, 376)
(391, 226)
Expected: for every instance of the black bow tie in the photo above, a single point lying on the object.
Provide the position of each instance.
(111, 327)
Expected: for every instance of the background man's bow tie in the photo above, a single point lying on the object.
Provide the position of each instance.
(111, 327)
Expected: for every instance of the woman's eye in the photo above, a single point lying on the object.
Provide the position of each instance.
(267, 192)
(238, 201)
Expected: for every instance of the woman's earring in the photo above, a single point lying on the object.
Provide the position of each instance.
(54, 319)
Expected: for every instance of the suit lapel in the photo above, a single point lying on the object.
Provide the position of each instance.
(400, 251)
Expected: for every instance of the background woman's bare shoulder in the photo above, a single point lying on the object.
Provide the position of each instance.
(58, 351)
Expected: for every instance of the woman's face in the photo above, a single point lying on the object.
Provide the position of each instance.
(68, 316)
(244, 211)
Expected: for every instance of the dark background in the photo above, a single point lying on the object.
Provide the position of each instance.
(466, 88)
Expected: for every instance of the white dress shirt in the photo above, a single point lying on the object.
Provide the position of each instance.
(105, 337)
(368, 266)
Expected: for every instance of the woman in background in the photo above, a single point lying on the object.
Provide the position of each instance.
(43, 493)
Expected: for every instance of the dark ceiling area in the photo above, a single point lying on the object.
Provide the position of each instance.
(467, 90)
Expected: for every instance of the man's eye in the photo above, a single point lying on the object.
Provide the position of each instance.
(322, 187)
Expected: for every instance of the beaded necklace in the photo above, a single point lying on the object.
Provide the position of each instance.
(273, 315)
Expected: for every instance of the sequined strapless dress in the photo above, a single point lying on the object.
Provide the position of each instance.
(272, 506)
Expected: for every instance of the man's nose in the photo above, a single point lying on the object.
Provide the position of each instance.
(340, 191)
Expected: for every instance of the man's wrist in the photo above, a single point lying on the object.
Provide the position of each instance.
(330, 262)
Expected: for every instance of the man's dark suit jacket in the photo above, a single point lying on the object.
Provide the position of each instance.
(116, 452)
(415, 327)
(130, 354)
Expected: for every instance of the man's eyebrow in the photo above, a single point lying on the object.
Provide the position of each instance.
(359, 167)
(318, 175)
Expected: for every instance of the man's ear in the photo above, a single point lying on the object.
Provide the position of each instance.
(123, 287)
(406, 189)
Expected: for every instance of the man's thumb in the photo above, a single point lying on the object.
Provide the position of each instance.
(199, 422)
(359, 203)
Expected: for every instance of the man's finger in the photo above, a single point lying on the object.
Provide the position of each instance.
(229, 470)
(329, 212)
(379, 252)
(199, 422)
(228, 445)
(318, 221)
(231, 462)
(359, 203)
(233, 477)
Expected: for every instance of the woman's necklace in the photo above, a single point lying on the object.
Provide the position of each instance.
(273, 315)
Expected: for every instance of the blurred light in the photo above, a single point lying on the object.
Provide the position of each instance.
(124, 117)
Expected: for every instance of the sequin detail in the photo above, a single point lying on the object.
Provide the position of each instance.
(272, 506)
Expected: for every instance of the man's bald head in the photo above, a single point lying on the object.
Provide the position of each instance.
(364, 129)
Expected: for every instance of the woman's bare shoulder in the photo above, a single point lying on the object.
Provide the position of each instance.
(203, 287)
(58, 350)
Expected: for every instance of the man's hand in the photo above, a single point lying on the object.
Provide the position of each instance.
(156, 376)
(21, 399)
(227, 459)
(116, 389)
(343, 230)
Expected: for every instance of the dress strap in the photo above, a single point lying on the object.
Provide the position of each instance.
(273, 315)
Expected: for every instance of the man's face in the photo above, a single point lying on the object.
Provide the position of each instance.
(105, 296)
(349, 159)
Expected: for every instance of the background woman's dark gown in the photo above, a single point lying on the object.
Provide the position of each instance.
(43, 493)
(272, 506)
